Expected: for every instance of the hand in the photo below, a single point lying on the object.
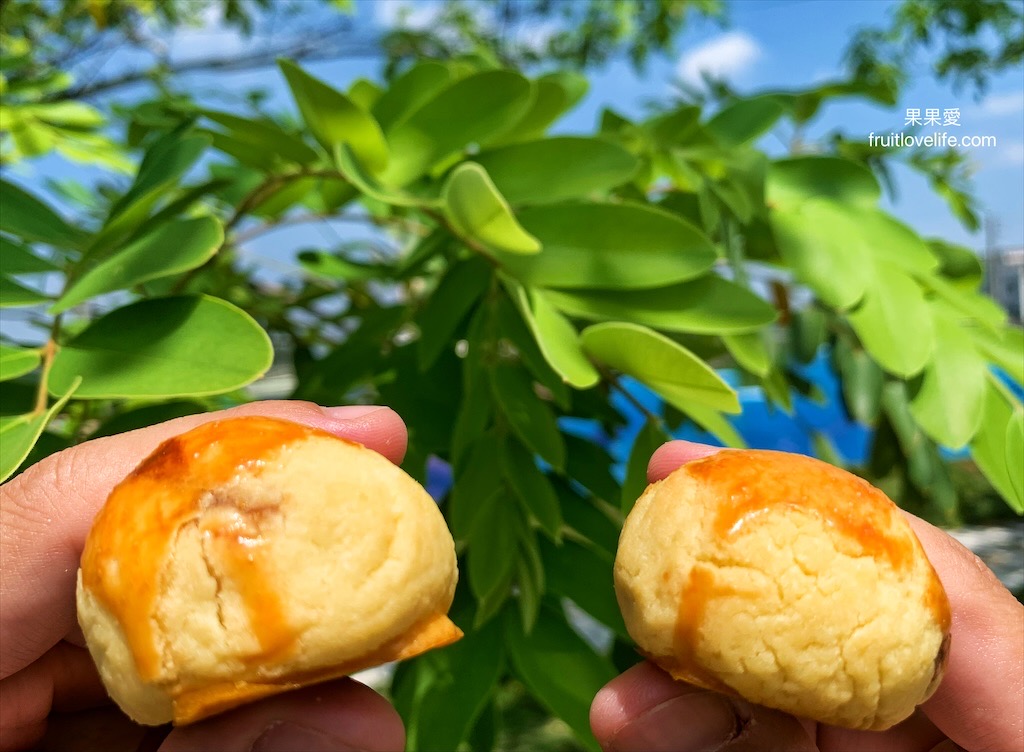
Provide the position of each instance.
(44, 668)
(978, 706)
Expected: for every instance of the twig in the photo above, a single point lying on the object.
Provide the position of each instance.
(49, 352)
(615, 381)
(308, 49)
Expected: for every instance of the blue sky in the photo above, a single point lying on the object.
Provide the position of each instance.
(766, 44)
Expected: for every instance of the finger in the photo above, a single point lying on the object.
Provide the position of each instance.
(979, 702)
(916, 734)
(105, 728)
(645, 710)
(63, 679)
(48, 509)
(343, 715)
(668, 457)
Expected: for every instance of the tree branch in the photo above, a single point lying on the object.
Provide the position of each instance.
(314, 48)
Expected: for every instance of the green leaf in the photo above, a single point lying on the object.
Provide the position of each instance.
(476, 209)
(554, 94)
(555, 169)
(559, 669)
(672, 128)
(491, 552)
(354, 173)
(16, 258)
(335, 119)
(533, 488)
(745, 120)
(590, 519)
(163, 166)
(862, 382)
(609, 246)
(410, 91)
(468, 111)
(20, 433)
(665, 366)
(476, 480)
(529, 582)
(511, 327)
(716, 424)
(808, 332)
(775, 385)
(590, 465)
(792, 181)
(975, 305)
(17, 361)
(164, 347)
(282, 196)
(531, 419)
(994, 440)
(556, 337)
(93, 148)
(709, 305)
(165, 162)
(1003, 348)
(451, 688)
(891, 240)
(648, 439)
(14, 295)
(364, 93)
(67, 114)
(584, 575)
(265, 135)
(819, 239)
(750, 351)
(1015, 457)
(825, 450)
(455, 295)
(27, 217)
(957, 262)
(334, 267)
(948, 404)
(924, 466)
(31, 137)
(475, 408)
(171, 248)
(894, 323)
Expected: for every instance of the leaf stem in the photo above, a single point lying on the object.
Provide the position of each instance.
(49, 352)
(615, 381)
(734, 253)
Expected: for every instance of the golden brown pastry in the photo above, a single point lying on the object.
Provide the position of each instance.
(251, 556)
(785, 581)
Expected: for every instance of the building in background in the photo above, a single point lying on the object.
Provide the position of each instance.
(1004, 279)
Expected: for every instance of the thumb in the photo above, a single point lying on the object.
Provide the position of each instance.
(645, 710)
(978, 704)
(338, 716)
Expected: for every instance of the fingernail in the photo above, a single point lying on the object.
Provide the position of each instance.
(284, 736)
(696, 722)
(351, 412)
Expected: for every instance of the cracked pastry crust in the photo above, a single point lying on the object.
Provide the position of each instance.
(785, 581)
(252, 556)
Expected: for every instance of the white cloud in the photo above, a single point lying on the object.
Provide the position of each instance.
(406, 14)
(722, 57)
(1012, 153)
(1011, 103)
(212, 37)
(536, 37)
